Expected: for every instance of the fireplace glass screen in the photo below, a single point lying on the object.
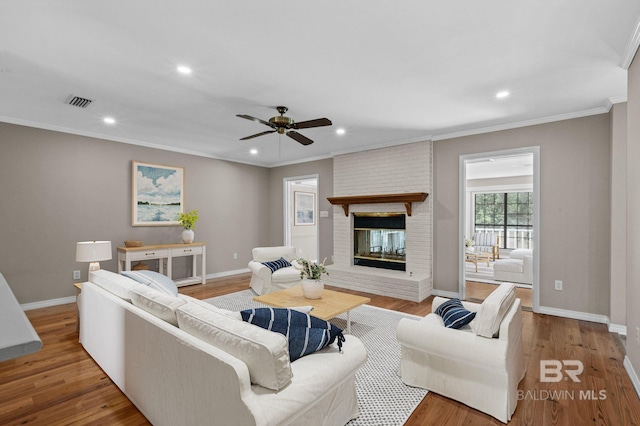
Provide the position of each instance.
(379, 240)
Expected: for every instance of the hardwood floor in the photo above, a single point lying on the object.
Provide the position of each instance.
(62, 385)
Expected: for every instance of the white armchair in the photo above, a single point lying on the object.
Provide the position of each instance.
(263, 280)
(464, 365)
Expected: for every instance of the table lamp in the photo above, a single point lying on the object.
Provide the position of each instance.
(94, 252)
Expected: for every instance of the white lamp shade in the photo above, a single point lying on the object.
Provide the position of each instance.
(93, 251)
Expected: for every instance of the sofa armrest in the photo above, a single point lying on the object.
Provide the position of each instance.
(260, 270)
(424, 336)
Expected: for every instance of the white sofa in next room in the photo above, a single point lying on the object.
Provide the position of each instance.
(518, 268)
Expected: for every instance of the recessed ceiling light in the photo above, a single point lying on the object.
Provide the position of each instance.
(184, 70)
(109, 120)
(254, 151)
(340, 131)
(502, 95)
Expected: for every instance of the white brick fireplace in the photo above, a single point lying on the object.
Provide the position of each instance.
(393, 170)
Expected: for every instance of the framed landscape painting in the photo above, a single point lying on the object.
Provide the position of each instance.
(158, 194)
(304, 208)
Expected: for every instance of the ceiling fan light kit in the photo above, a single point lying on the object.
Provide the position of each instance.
(284, 125)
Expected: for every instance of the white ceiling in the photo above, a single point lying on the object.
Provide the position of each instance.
(388, 73)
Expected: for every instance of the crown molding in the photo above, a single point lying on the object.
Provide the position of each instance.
(632, 48)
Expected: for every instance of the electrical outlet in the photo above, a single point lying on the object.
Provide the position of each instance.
(235, 255)
(558, 285)
(76, 275)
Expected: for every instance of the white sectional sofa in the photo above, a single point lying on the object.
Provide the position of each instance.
(212, 368)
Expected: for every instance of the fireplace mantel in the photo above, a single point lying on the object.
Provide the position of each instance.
(405, 198)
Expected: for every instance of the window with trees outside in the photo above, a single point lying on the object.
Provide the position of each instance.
(509, 214)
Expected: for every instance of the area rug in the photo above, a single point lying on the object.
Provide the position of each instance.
(382, 397)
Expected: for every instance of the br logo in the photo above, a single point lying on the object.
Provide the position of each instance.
(551, 370)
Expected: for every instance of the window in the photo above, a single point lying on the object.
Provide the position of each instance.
(510, 214)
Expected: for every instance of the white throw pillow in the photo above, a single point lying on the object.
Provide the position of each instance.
(158, 304)
(493, 309)
(265, 353)
(113, 283)
(154, 280)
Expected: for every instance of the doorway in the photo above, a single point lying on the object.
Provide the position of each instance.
(300, 218)
(499, 207)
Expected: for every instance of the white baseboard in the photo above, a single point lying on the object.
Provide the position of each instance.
(72, 299)
(583, 316)
(618, 328)
(48, 303)
(443, 293)
(632, 375)
(228, 273)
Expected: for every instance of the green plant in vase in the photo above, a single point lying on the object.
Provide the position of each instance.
(188, 222)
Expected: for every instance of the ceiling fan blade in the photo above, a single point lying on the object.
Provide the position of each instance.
(298, 137)
(257, 134)
(318, 122)
(248, 117)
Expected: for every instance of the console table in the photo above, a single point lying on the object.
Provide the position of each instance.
(126, 255)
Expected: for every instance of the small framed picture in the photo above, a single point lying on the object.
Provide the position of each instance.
(158, 194)
(304, 208)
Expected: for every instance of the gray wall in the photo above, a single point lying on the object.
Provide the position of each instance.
(324, 170)
(633, 213)
(575, 183)
(57, 189)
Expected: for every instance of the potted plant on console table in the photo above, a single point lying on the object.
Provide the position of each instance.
(188, 222)
(311, 275)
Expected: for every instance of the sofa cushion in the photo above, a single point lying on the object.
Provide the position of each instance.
(520, 253)
(274, 265)
(233, 314)
(265, 354)
(493, 310)
(154, 280)
(157, 303)
(454, 314)
(306, 334)
(285, 275)
(113, 283)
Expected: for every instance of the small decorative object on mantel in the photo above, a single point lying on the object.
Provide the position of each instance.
(188, 222)
(311, 275)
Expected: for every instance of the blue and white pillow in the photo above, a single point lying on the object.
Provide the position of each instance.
(154, 280)
(306, 334)
(454, 314)
(274, 265)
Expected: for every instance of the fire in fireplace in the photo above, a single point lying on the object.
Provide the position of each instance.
(379, 240)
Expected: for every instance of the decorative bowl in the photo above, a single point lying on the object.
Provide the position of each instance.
(133, 243)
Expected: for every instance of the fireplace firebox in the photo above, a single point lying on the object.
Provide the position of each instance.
(379, 240)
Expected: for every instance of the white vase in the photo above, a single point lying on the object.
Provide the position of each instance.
(187, 236)
(312, 289)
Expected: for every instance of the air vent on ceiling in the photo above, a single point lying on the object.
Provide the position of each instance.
(79, 102)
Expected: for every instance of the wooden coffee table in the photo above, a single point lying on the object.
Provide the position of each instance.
(477, 256)
(330, 305)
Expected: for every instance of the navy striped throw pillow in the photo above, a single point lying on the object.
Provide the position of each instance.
(454, 314)
(306, 334)
(276, 264)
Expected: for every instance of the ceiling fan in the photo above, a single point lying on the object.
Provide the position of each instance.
(286, 125)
